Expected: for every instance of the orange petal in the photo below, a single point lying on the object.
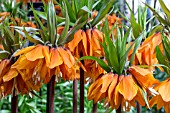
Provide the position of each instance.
(74, 43)
(10, 75)
(36, 53)
(23, 63)
(56, 59)
(107, 79)
(46, 55)
(89, 36)
(5, 65)
(112, 86)
(128, 88)
(65, 56)
(24, 50)
(164, 91)
(143, 76)
(84, 41)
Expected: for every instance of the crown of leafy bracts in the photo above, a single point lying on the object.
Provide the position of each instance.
(123, 84)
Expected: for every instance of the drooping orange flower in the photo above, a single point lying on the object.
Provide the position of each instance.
(146, 53)
(148, 49)
(87, 43)
(11, 79)
(118, 90)
(122, 90)
(3, 15)
(143, 76)
(25, 24)
(46, 62)
(163, 99)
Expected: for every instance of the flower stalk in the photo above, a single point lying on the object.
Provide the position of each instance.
(50, 96)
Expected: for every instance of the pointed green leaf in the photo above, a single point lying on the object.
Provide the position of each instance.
(99, 61)
(102, 12)
(65, 31)
(71, 13)
(165, 9)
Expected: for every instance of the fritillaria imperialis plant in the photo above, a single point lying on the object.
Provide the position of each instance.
(122, 83)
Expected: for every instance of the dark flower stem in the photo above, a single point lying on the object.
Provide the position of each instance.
(50, 96)
(138, 108)
(95, 108)
(119, 109)
(14, 103)
(75, 84)
(81, 90)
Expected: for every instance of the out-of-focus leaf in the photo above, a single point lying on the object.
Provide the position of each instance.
(4, 54)
(165, 9)
(33, 38)
(162, 59)
(28, 29)
(157, 28)
(158, 16)
(103, 11)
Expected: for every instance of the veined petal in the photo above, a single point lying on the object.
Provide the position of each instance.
(43, 72)
(74, 43)
(5, 65)
(112, 86)
(10, 75)
(128, 88)
(36, 53)
(65, 56)
(143, 76)
(46, 55)
(107, 79)
(89, 36)
(55, 58)
(24, 50)
(23, 63)
(84, 41)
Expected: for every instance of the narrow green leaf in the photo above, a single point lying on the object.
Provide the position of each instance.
(161, 58)
(157, 28)
(102, 12)
(65, 31)
(33, 38)
(70, 35)
(71, 13)
(158, 16)
(137, 44)
(99, 61)
(165, 9)
(41, 14)
(38, 21)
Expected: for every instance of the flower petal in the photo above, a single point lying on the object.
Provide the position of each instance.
(36, 53)
(10, 75)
